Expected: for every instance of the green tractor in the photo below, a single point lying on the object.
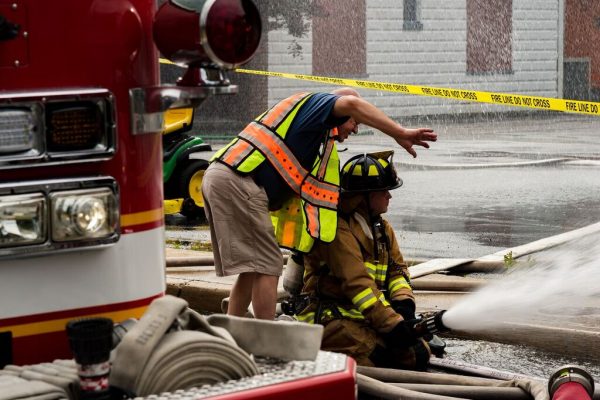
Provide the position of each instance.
(185, 158)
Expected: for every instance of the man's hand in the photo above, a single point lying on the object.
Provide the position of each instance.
(416, 137)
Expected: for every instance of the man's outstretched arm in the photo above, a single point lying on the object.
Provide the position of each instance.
(366, 113)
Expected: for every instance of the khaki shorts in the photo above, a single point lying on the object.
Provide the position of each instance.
(241, 231)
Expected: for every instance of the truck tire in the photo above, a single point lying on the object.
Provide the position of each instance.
(190, 187)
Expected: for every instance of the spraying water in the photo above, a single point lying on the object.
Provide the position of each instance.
(559, 282)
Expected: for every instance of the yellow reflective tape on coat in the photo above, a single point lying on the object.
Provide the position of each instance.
(365, 299)
(506, 99)
(328, 315)
(397, 284)
(376, 271)
(383, 300)
(309, 317)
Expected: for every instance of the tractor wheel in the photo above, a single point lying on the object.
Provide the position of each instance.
(190, 188)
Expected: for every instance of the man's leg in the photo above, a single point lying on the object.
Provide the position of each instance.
(241, 294)
(243, 240)
(264, 296)
(353, 338)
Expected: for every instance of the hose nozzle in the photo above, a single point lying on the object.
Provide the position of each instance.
(432, 324)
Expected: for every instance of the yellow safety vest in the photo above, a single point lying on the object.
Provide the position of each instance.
(312, 212)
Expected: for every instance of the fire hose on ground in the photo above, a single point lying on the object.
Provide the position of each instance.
(392, 384)
(567, 383)
(387, 381)
(466, 267)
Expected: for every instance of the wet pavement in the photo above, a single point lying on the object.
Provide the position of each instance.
(514, 358)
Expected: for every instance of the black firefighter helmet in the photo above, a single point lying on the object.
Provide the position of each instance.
(370, 172)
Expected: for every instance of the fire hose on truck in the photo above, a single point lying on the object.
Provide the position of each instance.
(174, 348)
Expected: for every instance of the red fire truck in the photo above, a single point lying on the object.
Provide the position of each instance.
(81, 186)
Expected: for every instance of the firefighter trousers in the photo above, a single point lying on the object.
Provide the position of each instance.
(361, 342)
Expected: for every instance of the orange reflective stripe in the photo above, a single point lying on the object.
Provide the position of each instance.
(276, 114)
(275, 150)
(319, 193)
(312, 215)
(326, 154)
(236, 153)
(288, 235)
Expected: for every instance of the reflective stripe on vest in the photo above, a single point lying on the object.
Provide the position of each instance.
(234, 155)
(321, 194)
(278, 116)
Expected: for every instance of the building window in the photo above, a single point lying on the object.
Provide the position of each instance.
(411, 16)
(489, 36)
(339, 34)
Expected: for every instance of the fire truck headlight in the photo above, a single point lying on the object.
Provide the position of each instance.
(22, 219)
(202, 33)
(17, 131)
(83, 214)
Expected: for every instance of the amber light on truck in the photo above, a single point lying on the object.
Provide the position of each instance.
(22, 219)
(83, 214)
(73, 126)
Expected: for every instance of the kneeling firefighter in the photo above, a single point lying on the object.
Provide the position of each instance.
(358, 286)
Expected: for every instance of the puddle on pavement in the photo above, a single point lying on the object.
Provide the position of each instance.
(513, 358)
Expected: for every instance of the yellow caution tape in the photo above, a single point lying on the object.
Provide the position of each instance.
(515, 100)
(506, 99)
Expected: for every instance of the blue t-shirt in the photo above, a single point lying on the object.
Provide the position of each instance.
(304, 138)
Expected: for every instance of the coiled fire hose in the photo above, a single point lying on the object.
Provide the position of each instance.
(152, 359)
(47, 381)
(172, 347)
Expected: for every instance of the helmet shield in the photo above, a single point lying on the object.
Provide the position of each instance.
(370, 173)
